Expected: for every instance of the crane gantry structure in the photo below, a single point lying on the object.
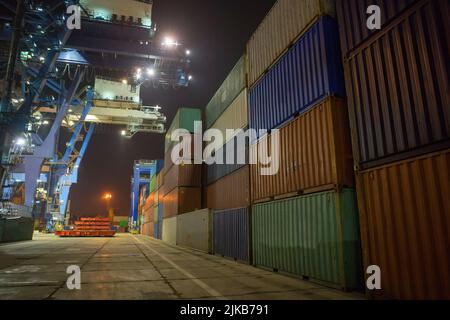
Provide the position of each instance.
(56, 74)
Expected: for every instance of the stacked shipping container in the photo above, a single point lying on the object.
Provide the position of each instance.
(151, 222)
(304, 219)
(301, 93)
(181, 190)
(397, 81)
(228, 185)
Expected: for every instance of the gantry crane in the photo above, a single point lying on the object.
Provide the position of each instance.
(56, 76)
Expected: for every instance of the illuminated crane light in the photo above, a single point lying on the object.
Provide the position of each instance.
(20, 142)
(151, 71)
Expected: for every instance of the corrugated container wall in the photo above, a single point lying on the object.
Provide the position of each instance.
(283, 24)
(398, 88)
(216, 171)
(314, 236)
(184, 119)
(188, 175)
(228, 91)
(194, 230)
(405, 226)
(310, 70)
(169, 230)
(352, 16)
(235, 116)
(183, 156)
(231, 191)
(182, 200)
(160, 179)
(315, 154)
(231, 232)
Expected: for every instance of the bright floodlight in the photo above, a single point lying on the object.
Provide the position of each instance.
(123, 133)
(150, 71)
(124, 81)
(188, 52)
(170, 42)
(20, 142)
(190, 77)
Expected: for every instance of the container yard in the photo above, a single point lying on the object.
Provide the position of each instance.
(302, 154)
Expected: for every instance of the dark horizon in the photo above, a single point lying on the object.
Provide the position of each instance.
(107, 165)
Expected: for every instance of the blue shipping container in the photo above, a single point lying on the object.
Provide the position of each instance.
(157, 230)
(216, 171)
(231, 233)
(310, 71)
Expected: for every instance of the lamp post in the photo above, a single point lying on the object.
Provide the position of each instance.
(108, 197)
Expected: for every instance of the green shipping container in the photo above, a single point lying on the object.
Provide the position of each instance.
(153, 185)
(228, 91)
(314, 236)
(16, 229)
(184, 119)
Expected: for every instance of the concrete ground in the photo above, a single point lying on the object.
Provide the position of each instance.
(138, 267)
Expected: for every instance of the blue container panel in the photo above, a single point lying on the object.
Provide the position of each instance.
(215, 171)
(231, 233)
(310, 71)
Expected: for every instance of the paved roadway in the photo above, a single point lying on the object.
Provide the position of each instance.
(138, 267)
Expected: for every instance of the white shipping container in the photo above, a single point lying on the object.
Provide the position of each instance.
(234, 117)
(169, 230)
(285, 22)
(194, 230)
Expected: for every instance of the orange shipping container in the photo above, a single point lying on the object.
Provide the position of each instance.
(188, 175)
(181, 200)
(232, 191)
(147, 229)
(405, 226)
(315, 154)
(160, 179)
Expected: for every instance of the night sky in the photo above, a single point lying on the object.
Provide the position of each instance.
(216, 31)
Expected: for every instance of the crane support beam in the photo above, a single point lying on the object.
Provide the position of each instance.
(33, 163)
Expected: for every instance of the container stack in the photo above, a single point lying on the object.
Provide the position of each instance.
(397, 81)
(227, 184)
(157, 205)
(147, 220)
(181, 190)
(304, 218)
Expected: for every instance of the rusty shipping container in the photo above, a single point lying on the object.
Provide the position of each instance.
(352, 16)
(398, 88)
(181, 200)
(188, 175)
(405, 226)
(217, 171)
(285, 22)
(160, 179)
(315, 154)
(231, 191)
(147, 229)
(231, 233)
(184, 157)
